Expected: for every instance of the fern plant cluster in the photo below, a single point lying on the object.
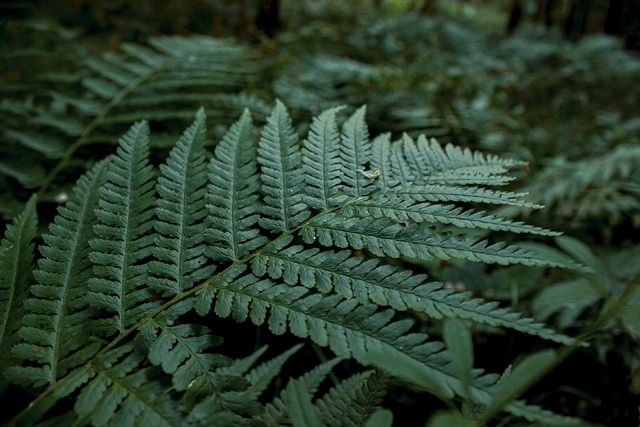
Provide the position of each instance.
(68, 116)
(298, 235)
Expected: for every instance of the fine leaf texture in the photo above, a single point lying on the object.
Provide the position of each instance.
(315, 247)
(181, 212)
(233, 194)
(55, 329)
(124, 219)
(16, 259)
(282, 178)
(353, 401)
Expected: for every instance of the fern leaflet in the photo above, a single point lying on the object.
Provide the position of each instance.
(16, 259)
(125, 217)
(55, 329)
(181, 213)
(282, 179)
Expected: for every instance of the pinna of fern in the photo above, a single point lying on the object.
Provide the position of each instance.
(162, 81)
(297, 235)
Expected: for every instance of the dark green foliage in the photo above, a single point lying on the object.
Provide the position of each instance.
(132, 264)
(353, 401)
(16, 259)
(163, 82)
(363, 244)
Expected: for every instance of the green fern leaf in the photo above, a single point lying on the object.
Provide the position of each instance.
(181, 212)
(399, 209)
(262, 375)
(51, 148)
(302, 413)
(123, 234)
(372, 281)
(275, 413)
(233, 194)
(16, 259)
(381, 161)
(320, 157)
(450, 193)
(430, 157)
(353, 401)
(349, 329)
(124, 393)
(179, 350)
(54, 333)
(154, 369)
(282, 175)
(400, 170)
(355, 154)
(29, 175)
(384, 237)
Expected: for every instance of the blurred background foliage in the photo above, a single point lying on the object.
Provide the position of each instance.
(551, 82)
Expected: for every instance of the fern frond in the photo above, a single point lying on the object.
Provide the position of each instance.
(450, 193)
(55, 333)
(233, 194)
(30, 175)
(165, 81)
(147, 367)
(355, 154)
(430, 157)
(385, 237)
(372, 281)
(381, 161)
(123, 234)
(399, 209)
(353, 401)
(122, 392)
(275, 413)
(261, 376)
(282, 176)
(601, 186)
(348, 328)
(320, 157)
(181, 212)
(16, 259)
(51, 148)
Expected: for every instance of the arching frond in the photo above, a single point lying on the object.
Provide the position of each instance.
(16, 259)
(373, 281)
(165, 80)
(275, 413)
(55, 330)
(301, 246)
(261, 376)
